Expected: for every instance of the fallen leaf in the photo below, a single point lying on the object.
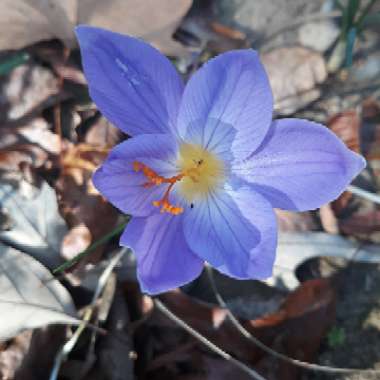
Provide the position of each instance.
(26, 91)
(346, 125)
(102, 133)
(149, 20)
(80, 203)
(35, 365)
(25, 22)
(295, 248)
(296, 329)
(36, 226)
(294, 73)
(362, 224)
(32, 144)
(30, 298)
(12, 354)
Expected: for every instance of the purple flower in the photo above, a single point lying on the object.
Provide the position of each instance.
(206, 164)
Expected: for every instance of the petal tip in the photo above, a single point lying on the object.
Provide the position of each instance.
(84, 34)
(355, 164)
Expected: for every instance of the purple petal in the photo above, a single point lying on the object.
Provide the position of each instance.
(164, 260)
(230, 90)
(122, 186)
(300, 166)
(235, 231)
(133, 84)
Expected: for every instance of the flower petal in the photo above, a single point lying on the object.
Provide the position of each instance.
(300, 165)
(231, 89)
(122, 186)
(133, 84)
(235, 231)
(164, 260)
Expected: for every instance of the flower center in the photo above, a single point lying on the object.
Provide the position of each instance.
(199, 173)
(206, 169)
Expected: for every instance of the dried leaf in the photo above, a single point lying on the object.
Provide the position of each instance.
(295, 248)
(12, 355)
(346, 125)
(295, 329)
(294, 81)
(36, 226)
(102, 133)
(29, 297)
(364, 224)
(79, 201)
(26, 91)
(152, 21)
(32, 144)
(25, 22)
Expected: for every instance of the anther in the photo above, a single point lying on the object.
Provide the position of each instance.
(155, 180)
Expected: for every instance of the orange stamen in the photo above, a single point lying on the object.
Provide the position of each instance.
(155, 179)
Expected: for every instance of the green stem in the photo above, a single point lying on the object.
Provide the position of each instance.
(69, 263)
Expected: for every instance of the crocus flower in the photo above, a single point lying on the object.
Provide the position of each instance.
(206, 164)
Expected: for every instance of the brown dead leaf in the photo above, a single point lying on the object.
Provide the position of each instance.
(296, 330)
(32, 144)
(80, 203)
(294, 72)
(21, 359)
(12, 354)
(370, 108)
(200, 316)
(364, 224)
(346, 125)
(26, 91)
(102, 133)
(25, 22)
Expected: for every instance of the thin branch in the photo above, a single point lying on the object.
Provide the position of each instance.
(160, 306)
(70, 344)
(270, 351)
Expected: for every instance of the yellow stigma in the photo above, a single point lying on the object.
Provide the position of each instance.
(199, 173)
(202, 170)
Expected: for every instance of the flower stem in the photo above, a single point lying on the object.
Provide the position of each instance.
(69, 263)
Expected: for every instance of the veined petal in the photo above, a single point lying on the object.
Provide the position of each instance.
(230, 90)
(164, 260)
(117, 180)
(132, 83)
(300, 165)
(235, 231)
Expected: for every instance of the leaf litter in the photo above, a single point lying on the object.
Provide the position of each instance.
(53, 138)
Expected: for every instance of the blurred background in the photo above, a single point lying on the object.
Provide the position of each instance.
(88, 320)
